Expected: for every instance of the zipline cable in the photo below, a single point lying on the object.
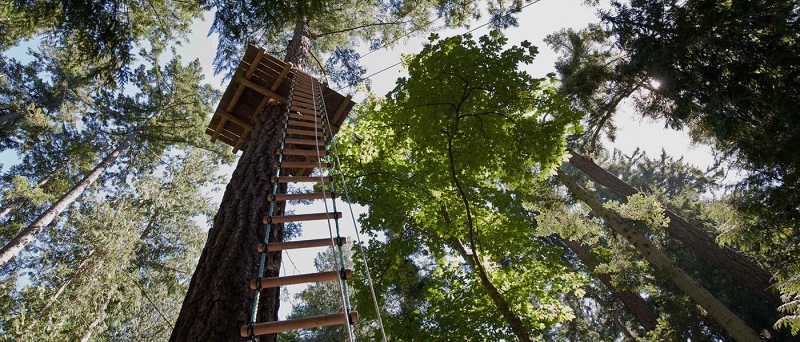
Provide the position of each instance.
(340, 263)
(398, 63)
(358, 237)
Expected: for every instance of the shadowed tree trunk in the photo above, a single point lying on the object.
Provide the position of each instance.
(509, 316)
(218, 301)
(701, 244)
(734, 325)
(9, 117)
(26, 236)
(637, 306)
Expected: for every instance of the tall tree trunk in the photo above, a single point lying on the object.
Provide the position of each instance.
(219, 299)
(5, 210)
(82, 267)
(17, 202)
(718, 311)
(642, 311)
(101, 315)
(502, 305)
(26, 236)
(701, 244)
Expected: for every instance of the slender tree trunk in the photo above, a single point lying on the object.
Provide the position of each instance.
(219, 299)
(5, 210)
(82, 267)
(701, 244)
(26, 236)
(17, 202)
(718, 311)
(642, 311)
(502, 305)
(101, 315)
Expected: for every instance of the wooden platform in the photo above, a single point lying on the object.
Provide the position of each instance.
(260, 80)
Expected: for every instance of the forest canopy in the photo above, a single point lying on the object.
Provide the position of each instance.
(497, 206)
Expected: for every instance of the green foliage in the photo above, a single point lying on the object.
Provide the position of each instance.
(728, 72)
(123, 256)
(101, 34)
(118, 262)
(446, 158)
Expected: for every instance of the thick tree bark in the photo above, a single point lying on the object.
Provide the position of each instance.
(26, 236)
(502, 305)
(701, 244)
(218, 301)
(718, 311)
(642, 311)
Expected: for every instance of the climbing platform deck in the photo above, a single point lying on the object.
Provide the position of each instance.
(260, 82)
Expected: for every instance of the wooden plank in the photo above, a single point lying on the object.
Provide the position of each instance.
(298, 197)
(262, 90)
(304, 142)
(220, 124)
(281, 246)
(281, 76)
(300, 323)
(271, 282)
(304, 217)
(316, 125)
(241, 140)
(303, 132)
(234, 119)
(294, 152)
(298, 179)
(303, 97)
(248, 75)
(303, 117)
(297, 165)
(303, 110)
(339, 111)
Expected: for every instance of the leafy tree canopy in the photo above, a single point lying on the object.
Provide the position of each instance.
(443, 158)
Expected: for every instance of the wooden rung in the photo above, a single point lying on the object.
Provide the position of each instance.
(305, 142)
(280, 246)
(304, 111)
(303, 132)
(295, 197)
(306, 105)
(308, 124)
(308, 179)
(313, 153)
(304, 217)
(302, 165)
(300, 323)
(311, 118)
(271, 282)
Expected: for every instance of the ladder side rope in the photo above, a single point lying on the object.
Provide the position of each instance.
(340, 263)
(338, 164)
(268, 228)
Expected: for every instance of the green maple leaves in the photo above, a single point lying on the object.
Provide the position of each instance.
(451, 154)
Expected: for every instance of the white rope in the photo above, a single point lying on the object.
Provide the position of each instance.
(358, 237)
(342, 285)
